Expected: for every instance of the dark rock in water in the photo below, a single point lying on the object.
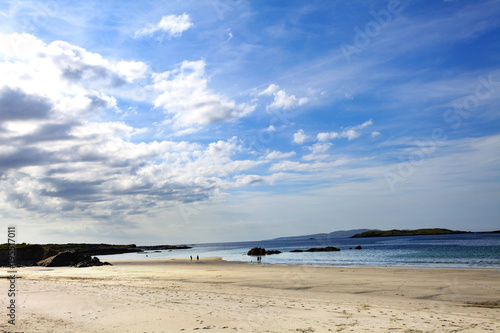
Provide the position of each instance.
(71, 258)
(323, 249)
(358, 247)
(258, 251)
(319, 249)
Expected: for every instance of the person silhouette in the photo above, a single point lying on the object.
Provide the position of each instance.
(197, 258)
(191, 258)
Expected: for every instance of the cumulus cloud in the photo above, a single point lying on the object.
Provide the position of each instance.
(300, 137)
(350, 133)
(72, 76)
(171, 25)
(58, 158)
(184, 93)
(320, 147)
(281, 99)
(318, 151)
(59, 69)
(17, 105)
(131, 70)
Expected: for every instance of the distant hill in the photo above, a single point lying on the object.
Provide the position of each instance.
(417, 232)
(335, 234)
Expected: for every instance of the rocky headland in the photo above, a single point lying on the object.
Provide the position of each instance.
(72, 254)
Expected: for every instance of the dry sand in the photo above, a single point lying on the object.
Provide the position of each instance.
(218, 296)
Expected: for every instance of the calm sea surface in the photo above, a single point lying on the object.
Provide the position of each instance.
(466, 250)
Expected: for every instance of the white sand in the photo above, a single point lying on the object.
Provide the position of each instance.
(217, 296)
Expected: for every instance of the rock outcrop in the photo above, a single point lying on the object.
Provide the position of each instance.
(323, 249)
(358, 247)
(71, 258)
(319, 249)
(27, 255)
(259, 251)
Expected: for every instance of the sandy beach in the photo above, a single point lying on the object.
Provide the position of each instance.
(218, 296)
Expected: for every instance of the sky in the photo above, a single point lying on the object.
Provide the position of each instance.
(171, 122)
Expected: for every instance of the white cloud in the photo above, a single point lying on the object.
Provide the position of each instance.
(229, 36)
(320, 147)
(131, 70)
(271, 128)
(249, 180)
(270, 90)
(21, 45)
(375, 134)
(277, 155)
(363, 125)
(172, 25)
(184, 93)
(350, 133)
(300, 137)
(281, 99)
(284, 101)
(327, 136)
(317, 152)
(59, 69)
(306, 167)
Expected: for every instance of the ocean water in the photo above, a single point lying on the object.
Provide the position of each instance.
(459, 251)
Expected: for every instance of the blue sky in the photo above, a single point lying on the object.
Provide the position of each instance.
(165, 122)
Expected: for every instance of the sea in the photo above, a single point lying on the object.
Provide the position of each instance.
(472, 250)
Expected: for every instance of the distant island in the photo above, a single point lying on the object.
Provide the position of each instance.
(416, 232)
(362, 233)
(335, 234)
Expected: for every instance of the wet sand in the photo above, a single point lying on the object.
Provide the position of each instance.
(165, 295)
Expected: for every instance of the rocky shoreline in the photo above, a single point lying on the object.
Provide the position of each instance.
(77, 255)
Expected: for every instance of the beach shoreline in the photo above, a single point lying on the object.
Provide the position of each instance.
(177, 295)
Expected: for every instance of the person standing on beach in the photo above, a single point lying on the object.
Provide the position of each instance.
(197, 258)
(191, 258)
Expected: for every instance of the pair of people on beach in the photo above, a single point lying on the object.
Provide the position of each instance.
(197, 258)
(259, 259)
